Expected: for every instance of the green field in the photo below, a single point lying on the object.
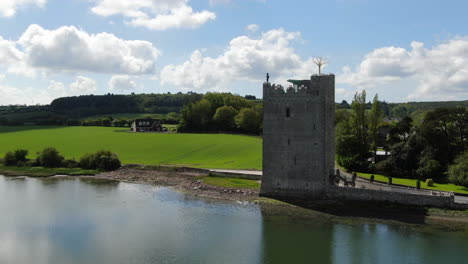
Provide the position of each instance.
(220, 151)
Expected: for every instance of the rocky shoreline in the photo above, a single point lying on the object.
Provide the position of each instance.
(184, 180)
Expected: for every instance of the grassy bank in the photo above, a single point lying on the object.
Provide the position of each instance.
(42, 172)
(221, 151)
(231, 182)
(446, 187)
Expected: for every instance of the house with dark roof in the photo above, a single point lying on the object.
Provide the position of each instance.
(147, 125)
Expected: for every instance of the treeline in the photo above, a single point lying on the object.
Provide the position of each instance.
(399, 110)
(87, 105)
(222, 112)
(433, 148)
(66, 110)
(102, 160)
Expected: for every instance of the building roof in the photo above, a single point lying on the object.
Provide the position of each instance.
(149, 122)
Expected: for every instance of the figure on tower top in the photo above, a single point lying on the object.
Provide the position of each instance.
(268, 77)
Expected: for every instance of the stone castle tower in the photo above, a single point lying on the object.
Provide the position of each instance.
(298, 138)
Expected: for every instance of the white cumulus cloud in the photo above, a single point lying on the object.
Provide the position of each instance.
(68, 48)
(8, 8)
(121, 83)
(155, 14)
(244, 59)
(440, 71)
(83, 85)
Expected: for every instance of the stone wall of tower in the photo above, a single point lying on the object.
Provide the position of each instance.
(298, 138)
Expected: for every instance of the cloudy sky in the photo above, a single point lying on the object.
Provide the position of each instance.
(403, 50)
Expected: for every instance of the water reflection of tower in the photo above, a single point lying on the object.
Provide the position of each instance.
(296, 240)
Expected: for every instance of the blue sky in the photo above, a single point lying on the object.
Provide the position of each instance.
(402, 50)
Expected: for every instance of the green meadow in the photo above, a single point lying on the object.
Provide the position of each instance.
(220, 151)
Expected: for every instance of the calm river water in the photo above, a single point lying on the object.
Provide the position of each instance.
(73, 221)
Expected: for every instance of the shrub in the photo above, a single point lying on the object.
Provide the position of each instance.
(458, 171)
(430, 169)
(70, 163)
(430, 183)
(101, 160)
(15, 158)
(9, 159)
(20, 155)
(50, 158)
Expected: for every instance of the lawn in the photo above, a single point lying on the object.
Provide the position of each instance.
(231, 182)
(447, 187)
(220, 151)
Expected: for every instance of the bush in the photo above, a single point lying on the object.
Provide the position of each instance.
(50, 158)
(430, 169)
(101, 160)
(9, 159)
(430, 183)
(20, 155)
(70, 163)
(15, 158)
(458, 171)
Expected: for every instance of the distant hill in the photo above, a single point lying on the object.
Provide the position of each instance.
(79, 107)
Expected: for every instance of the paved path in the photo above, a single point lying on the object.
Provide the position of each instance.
(361, 183)
(248, 172)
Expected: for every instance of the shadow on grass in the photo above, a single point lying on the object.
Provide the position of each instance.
(12, 129)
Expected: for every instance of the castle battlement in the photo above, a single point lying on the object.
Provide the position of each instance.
(316, 86)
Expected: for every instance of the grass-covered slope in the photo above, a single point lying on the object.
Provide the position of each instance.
(195, 150)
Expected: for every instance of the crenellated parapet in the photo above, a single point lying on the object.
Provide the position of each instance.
(317, 86)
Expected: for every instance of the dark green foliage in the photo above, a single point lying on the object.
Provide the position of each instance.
(20, 155)
(352, 150)
(248, 120)
(70, 163)
(458, 171)
(9, 159)
(221, 112)
(15, 158)
(101, 160)
(224, 117)
(50, 158)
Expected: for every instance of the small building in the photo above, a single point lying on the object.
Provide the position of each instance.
(147, 125)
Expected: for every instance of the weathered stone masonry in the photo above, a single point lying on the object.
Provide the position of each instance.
(298, 138)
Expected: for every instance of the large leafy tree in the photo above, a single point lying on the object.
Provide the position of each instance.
(375, 119)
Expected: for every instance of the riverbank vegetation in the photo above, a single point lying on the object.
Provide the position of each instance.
(50, 162)
(433, 148)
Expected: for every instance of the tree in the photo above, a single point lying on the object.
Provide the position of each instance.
(458, 171)
(375, 118)
(224, 117)
(248, 120)
(359, 123)
(50, 158)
